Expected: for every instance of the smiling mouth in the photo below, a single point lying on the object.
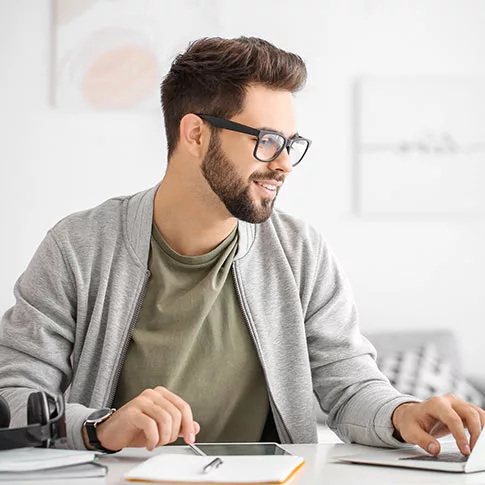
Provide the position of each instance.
(268, 190)
(267, 186)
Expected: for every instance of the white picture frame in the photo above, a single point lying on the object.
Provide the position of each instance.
(419, 147)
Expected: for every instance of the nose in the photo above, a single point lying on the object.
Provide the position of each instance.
(282, 163)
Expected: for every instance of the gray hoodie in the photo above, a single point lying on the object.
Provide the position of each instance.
(78, 300)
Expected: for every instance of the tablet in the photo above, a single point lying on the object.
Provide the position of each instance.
(221, 449)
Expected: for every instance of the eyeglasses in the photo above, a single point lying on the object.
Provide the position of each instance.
(269, 144)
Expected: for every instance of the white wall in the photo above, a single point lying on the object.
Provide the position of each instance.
(406, 274)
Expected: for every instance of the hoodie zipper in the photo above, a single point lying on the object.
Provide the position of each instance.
(126, 344)
(280, 425)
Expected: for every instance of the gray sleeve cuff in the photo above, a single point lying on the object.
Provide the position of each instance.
(383, 422)
(76, 414)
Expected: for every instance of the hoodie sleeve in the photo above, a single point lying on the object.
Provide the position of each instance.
(37, 335)
(349, 386)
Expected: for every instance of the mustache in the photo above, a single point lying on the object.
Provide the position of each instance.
(278, 177)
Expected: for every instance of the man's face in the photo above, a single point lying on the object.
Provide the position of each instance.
(246, 186)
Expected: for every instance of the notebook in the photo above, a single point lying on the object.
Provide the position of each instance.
(35, 459)
(449, 460)
(85, 470)
(166, 468)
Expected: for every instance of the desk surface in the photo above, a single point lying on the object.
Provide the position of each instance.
(320, 467)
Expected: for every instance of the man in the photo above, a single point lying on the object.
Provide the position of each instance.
(194, 308)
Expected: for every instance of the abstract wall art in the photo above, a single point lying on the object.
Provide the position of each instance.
(110, 54)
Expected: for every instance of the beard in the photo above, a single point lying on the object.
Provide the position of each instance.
(232, 190)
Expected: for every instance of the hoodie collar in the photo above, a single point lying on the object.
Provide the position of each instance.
(139, 219)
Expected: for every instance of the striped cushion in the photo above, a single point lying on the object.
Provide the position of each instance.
(423, 373)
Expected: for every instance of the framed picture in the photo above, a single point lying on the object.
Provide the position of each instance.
(110, 54)
(419, 147)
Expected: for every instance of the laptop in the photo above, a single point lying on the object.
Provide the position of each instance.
(449, 459)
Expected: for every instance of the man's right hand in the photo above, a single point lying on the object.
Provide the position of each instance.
(154, 418)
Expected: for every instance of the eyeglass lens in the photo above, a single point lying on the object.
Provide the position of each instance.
(271, 144)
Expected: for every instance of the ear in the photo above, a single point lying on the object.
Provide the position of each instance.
(194, 135)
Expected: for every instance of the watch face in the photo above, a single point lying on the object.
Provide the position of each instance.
(99, 414)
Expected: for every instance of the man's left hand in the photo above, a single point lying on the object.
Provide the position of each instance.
(422, 423)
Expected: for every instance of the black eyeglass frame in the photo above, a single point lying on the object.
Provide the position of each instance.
(248, 130)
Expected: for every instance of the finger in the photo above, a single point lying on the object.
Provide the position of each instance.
(149, 428)
(176, 416)
(187, 429)
(196, 429)
(164, 419)
(481, 413)
(415, 435)
(473, 423)
(171, 426)
(155, 410)
(449, 417)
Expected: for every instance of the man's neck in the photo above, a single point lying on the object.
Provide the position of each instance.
(186, 222)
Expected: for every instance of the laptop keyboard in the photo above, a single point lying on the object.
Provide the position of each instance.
(447, 457)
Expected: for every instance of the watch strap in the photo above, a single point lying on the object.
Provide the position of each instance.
(90, 427)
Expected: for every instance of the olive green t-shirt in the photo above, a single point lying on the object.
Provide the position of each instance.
(191, 338)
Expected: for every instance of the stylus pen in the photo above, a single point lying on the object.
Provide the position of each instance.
(213, 464)
(216, 463)
(197, 450)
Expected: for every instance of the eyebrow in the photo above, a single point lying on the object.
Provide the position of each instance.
(267, 128)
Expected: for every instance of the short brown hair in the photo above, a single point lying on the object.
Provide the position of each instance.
(212, 76)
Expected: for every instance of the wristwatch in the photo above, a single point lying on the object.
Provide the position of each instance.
(98, 417)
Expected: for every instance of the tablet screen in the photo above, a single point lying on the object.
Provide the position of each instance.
(217, 449)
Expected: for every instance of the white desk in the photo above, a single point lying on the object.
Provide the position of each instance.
(320, 468)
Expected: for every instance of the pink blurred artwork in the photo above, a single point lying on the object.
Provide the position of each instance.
(110, 54)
